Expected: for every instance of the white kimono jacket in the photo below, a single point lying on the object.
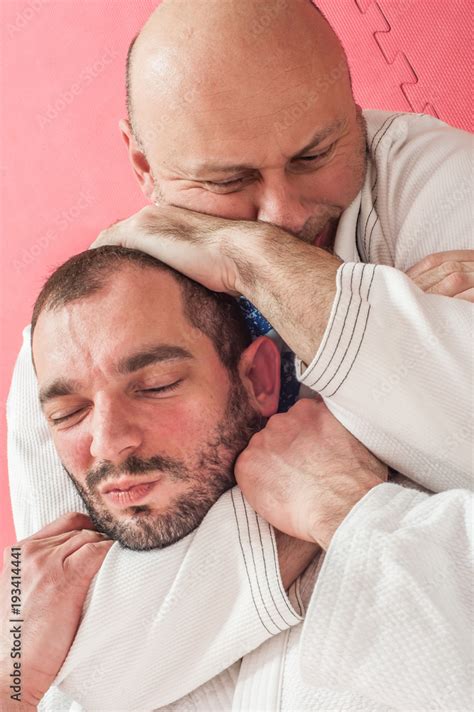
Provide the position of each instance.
(205, 623)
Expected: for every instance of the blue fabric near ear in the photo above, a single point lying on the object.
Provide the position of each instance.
(259, 326)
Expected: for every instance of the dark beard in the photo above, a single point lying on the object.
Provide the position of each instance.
(213, 475)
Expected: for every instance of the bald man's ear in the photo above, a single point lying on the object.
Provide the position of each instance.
(137, 158)
(259, 371)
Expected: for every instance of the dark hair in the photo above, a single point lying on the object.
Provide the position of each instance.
(128, 82)
(217, 315)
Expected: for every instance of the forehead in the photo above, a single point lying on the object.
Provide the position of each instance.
(139, 307)
(250, 113)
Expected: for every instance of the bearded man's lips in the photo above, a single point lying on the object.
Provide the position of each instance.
(128, 491)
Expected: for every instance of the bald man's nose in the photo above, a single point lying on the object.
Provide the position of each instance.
(278, 203)
(114, 434)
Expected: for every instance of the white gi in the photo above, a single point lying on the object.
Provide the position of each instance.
(205, 624)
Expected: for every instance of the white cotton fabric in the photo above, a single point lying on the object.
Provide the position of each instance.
(389, 623)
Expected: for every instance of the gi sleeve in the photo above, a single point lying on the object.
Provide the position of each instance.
(391, 615)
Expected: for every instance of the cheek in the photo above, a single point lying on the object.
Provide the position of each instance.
(182, 428)
(340, 181)
(74, 452)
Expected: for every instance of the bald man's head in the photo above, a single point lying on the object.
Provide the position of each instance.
(244, 109)
(175, 20)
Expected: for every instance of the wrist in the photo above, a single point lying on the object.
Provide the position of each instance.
(322, 532)
(294, 556)
(243, 248)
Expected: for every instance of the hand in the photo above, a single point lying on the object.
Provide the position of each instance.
(450, 274)
(240, 257)
(195, 244)
(57, 565)
(304, 472)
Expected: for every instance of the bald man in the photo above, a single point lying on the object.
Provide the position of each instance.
(268, 181)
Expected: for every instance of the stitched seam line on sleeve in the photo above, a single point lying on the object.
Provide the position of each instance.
(328, 333)
(246, 567)
(329, 395)
(354, 325)
(255, 568)
(275, 559)
(361, 300)
(330, 361)
(266, 574)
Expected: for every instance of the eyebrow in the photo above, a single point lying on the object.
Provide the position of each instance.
(146, 357)
(155, 354)
(316, 139)
(56, 389)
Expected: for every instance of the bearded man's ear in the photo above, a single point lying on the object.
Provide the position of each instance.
(259, 371)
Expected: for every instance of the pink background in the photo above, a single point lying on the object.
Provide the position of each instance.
(65, 174)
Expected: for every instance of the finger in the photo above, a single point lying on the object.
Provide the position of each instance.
(108, 236)
(454, 284)
(66, 523)
(87, 560)
(468, 295)
(435, 260)
(79, 539)
(428, 279)
(103, 239)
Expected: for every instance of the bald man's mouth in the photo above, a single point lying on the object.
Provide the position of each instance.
(322, 237)
(325, 238)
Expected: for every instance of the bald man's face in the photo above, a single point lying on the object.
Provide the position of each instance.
(251, 125)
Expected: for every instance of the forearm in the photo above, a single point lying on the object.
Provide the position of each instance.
(293, 284)
(395, 368)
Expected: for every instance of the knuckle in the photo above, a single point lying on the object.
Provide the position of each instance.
(429, 262)
(451, 267)
(455, 281)
(91, 548)
(36, 568)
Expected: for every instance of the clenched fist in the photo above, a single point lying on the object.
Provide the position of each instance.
(304, 472)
